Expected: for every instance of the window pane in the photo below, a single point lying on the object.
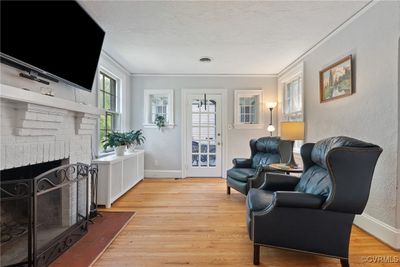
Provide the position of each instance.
(203, 147)
(195, 133)
(212, 147)
(107, 84)
(113, 86)
(212, 160)
(113, 104)
(203, 160)
(195, 147)
(109, 122)
(102, 122)
(195, 160)
(107, 102)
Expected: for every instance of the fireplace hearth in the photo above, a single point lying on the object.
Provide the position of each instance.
(42, 215)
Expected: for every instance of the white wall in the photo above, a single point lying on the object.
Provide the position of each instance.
(163, 149)
(372, 113)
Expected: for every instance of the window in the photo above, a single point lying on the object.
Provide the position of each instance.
(158, 103)
(248, 109)
(292, 100)
(109, 106)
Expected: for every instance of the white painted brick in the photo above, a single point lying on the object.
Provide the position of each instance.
(66, 149)
(34, 151)
(8, 139)
(10, 156)
(51, 151)
(27, 155)
(40, 124)
(2, 157)
(61, 149)
(19, 155)
(30, 115)
(39, 157)
(46, 152)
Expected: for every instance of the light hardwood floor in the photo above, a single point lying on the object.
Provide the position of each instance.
(192, 222)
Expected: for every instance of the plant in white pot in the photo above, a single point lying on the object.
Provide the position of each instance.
(160, 121)
(136, 138)
(117, 140)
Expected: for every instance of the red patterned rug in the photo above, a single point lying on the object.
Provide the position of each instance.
(100, 235)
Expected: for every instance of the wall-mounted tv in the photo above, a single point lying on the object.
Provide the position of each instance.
(57, 40)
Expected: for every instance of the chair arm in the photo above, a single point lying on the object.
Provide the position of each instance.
(279, 182)
(297, 200)
(241, 163)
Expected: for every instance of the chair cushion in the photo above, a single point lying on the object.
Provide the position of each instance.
(268, 145)
(258, 199)
(316, 181)
(322, 148)
(265, 159)
(241, 174)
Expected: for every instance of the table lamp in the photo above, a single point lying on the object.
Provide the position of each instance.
(291, 131)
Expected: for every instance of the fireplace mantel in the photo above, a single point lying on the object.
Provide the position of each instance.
(37, 128)
(19, 95)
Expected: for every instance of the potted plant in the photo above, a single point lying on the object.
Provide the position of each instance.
(118, 140)
(160, 121)
(135, 138)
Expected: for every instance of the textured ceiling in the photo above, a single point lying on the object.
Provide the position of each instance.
(169, 37)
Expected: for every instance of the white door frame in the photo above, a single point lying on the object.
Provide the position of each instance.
(224, 125)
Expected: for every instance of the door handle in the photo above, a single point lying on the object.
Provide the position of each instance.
(219, 143)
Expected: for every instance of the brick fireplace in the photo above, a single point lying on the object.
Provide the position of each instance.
(41, 133)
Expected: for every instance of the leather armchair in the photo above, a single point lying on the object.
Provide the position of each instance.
(314, 213)
(246, 173)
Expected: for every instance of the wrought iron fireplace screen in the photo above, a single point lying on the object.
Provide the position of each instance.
(54, 214)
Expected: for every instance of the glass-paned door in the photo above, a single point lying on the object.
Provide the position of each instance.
(204, 136)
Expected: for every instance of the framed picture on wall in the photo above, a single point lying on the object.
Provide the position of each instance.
(335, 81)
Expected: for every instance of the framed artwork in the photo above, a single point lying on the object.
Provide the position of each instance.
(335, 81)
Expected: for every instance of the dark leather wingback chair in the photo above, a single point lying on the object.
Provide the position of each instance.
(246, 172)
(314, 213)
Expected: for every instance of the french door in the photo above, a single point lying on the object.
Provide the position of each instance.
(203, 134)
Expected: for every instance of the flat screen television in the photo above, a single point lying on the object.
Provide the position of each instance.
(57, 40)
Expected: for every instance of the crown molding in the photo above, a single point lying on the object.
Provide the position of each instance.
(335, 31)
(113, 60)
(202, 75)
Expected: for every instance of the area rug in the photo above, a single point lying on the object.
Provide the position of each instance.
(100, 235)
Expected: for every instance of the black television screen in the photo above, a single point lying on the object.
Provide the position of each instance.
(54, 38)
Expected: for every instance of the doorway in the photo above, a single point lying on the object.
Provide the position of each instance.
(203, 131)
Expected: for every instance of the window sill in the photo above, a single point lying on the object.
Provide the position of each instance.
(153, 126)
(248, 126)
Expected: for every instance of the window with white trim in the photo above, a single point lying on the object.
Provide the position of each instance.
(158, 103)
(248, 109)
(293, 103)
(293, 100)
(109, 105)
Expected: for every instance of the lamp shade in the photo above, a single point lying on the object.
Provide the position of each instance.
(271, 128)
(292, 130)
(271, 104)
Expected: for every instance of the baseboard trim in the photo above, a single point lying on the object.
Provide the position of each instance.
(163, 174)
(384, 232)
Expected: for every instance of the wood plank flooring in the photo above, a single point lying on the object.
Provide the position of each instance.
(192, 222)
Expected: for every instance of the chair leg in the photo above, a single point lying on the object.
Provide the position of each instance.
(228, 190)
(344, 262)
(256, 255)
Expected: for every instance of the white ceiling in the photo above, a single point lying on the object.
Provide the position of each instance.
(257, 37)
